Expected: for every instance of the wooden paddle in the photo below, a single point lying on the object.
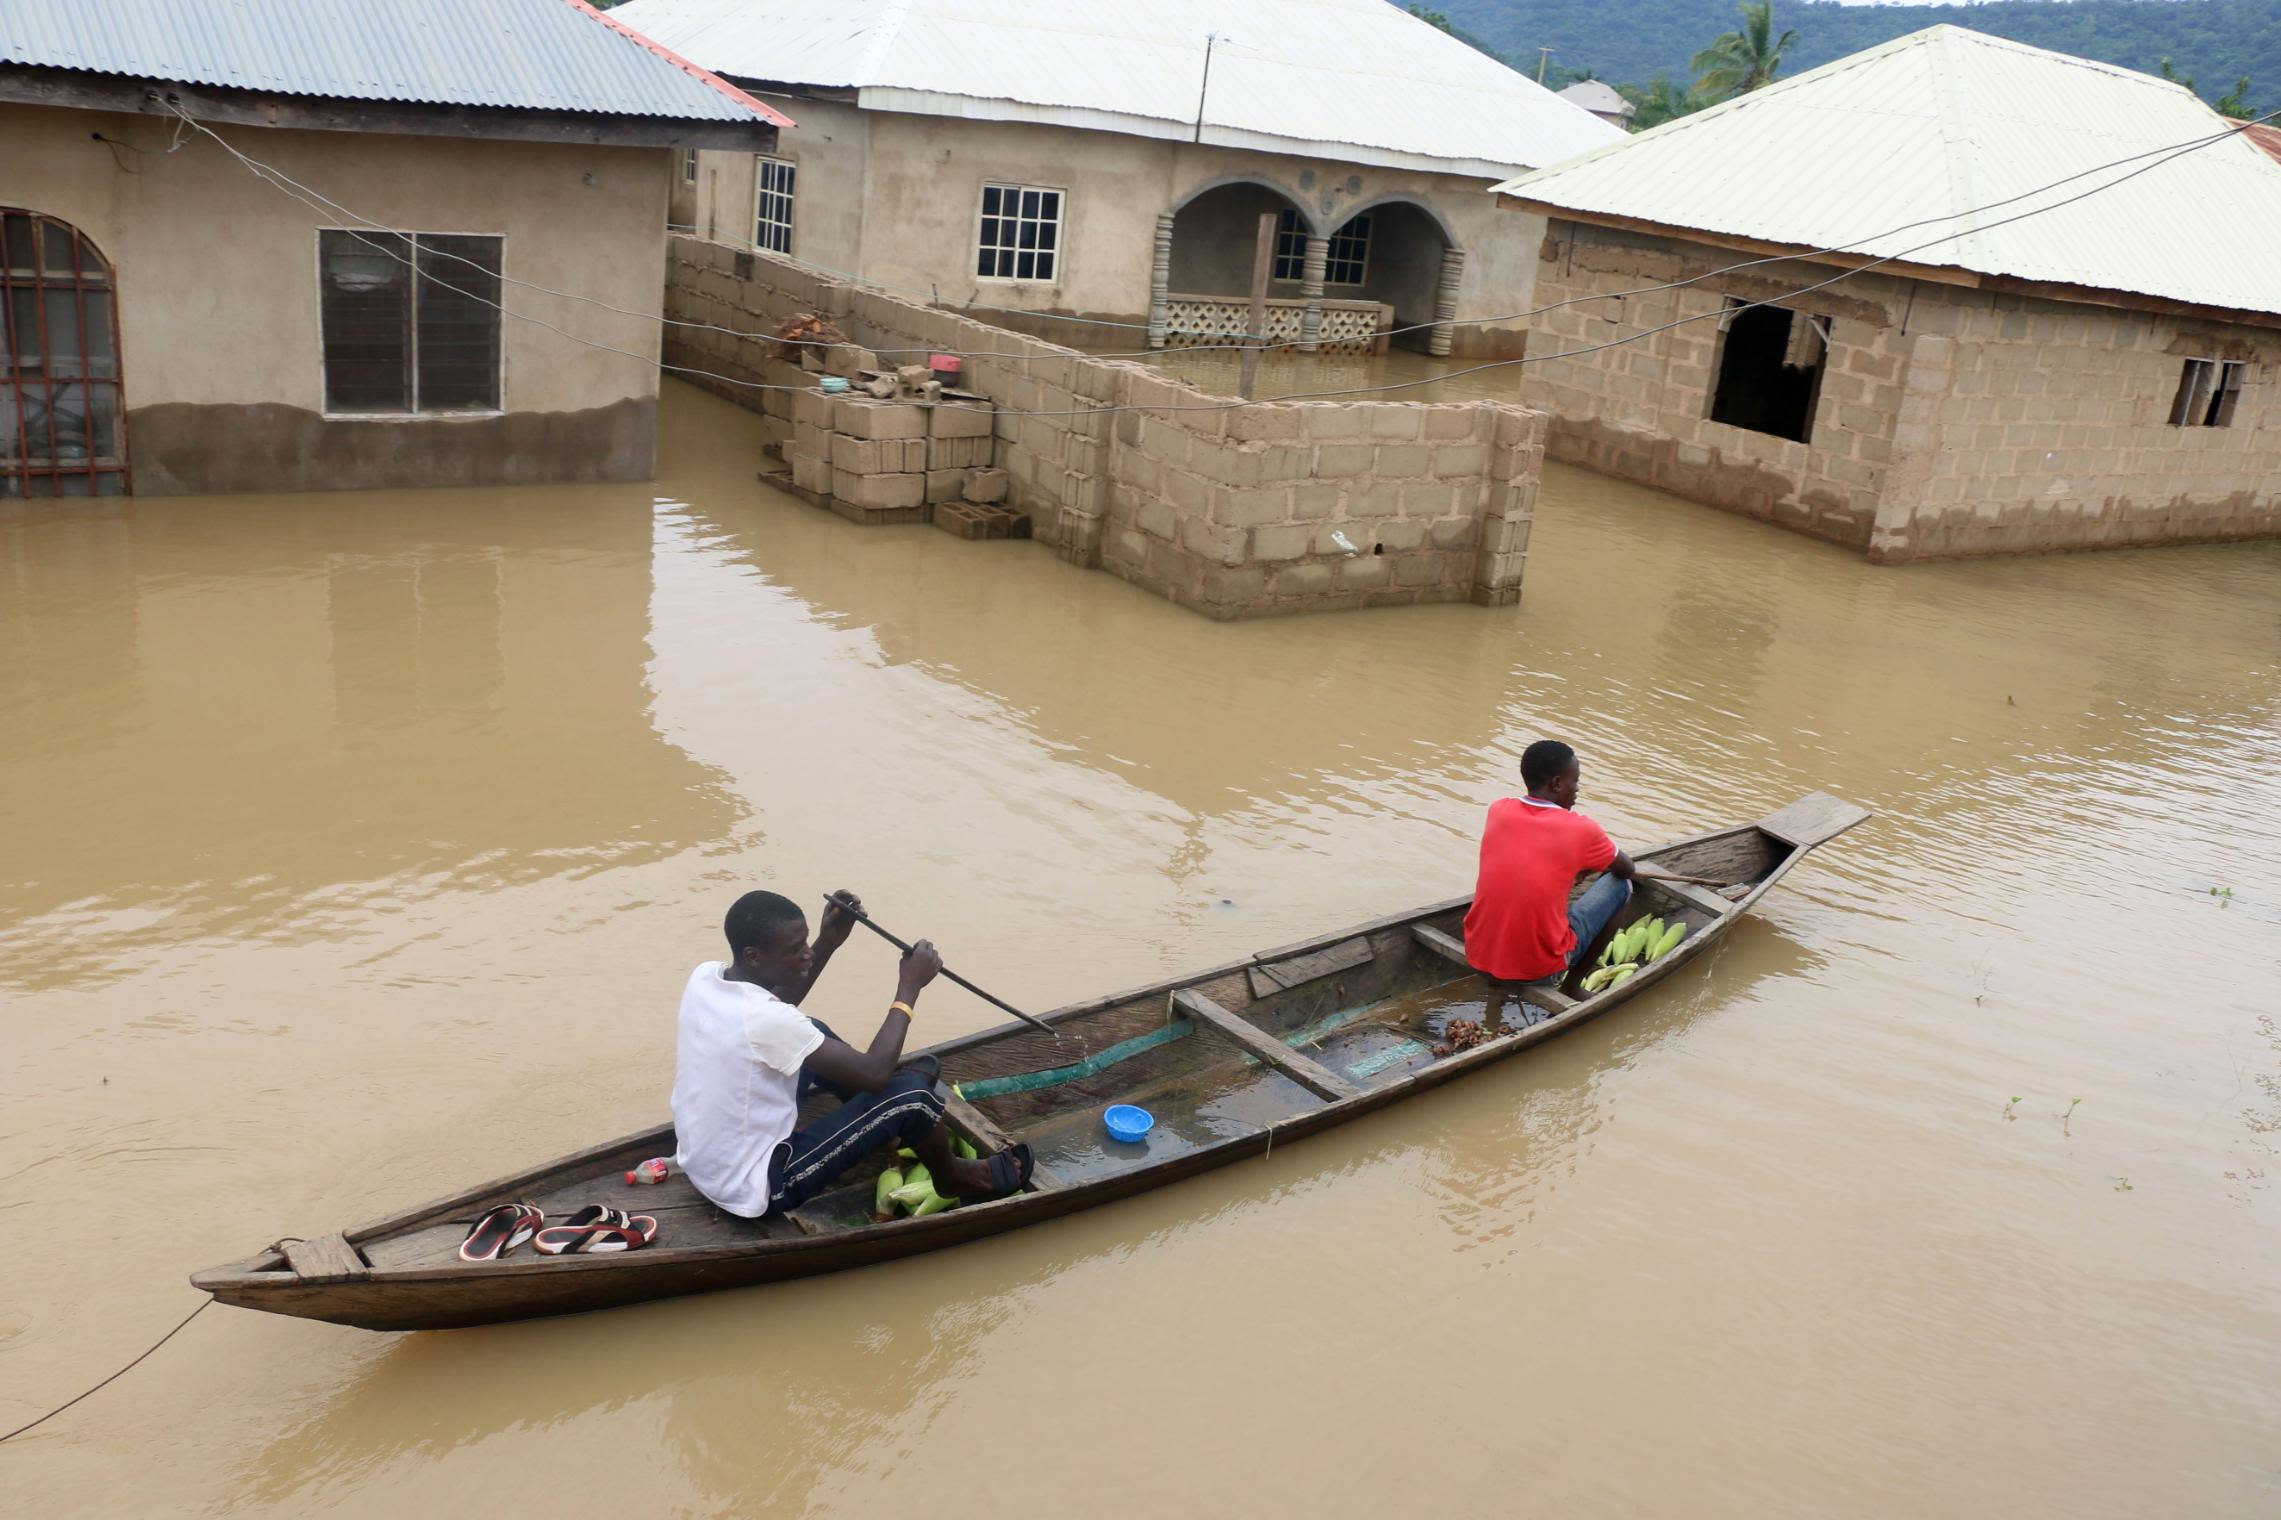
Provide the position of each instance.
(856, 913)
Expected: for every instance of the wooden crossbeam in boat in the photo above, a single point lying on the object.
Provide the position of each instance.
(1447, 946)
(1269, 977)
(1316, 1078)
(988, 1137)
(1693, 896)
(329, 1258)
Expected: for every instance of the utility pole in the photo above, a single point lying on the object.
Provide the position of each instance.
(1211, 39)
(1544, 56)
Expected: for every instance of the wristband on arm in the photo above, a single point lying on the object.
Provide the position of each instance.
(901, 1007)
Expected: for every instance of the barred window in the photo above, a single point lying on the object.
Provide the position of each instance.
(2208, 392)
(689, 166)
(1349, 252)
(1021, 233)
(62, 429)
(772, 205)
(410, 322)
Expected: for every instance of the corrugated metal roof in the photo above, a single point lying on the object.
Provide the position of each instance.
(1353, 80)
(546, 55)
(2266, 137)
(1594, 95)
(1948, 127)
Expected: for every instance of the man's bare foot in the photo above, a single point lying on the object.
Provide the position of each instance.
(966, 1179)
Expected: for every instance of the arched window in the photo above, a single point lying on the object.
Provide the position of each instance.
(62, 430)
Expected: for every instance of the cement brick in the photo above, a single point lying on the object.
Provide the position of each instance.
(958, 419)
(1289, 541)
(1402, 461)
(813, 408)
(1235, 507)
(1332, 422)
(879, 492)
(1265, 424)
(862, 417)
(808, 438)
(1366, 573)
(1451, 424)
(1453, 532)
(1301, 580)
(945, 485)
(983, 485)
(1313, 502)
(1346, 461)
(1157, 517)
(811, 472)
(878, 456)
(960, 453)
(1400, 534)
(1226, 546)
(1395, 422)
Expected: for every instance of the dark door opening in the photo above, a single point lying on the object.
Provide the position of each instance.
(1770, 372)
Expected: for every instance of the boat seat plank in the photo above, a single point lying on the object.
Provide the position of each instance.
(1694, 897)
(1318, 1079)
(1814, 819)
(1271, 977)
(1448, 946)
(329, 1258)
(973, 1123)
(1545, 995)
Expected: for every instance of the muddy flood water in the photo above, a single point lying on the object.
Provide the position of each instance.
(354, 848)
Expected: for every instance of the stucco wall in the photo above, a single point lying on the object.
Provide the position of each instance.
(912, 186)
(1951, 421)
(1234, 512)
(218, 297)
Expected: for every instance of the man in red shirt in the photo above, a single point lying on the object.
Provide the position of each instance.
(1522, 927)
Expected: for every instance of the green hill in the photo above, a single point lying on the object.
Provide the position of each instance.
(2213, 41)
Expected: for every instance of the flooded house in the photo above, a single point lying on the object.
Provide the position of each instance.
(1112, 162)
(277, 247)
(1950, 296)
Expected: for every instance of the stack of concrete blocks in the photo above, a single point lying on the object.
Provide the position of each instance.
(981, 511)
(879, 461)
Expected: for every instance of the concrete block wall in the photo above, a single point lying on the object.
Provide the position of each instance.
(2033, 425)
(1232, 511)
(1952, 421)
(1643, 411)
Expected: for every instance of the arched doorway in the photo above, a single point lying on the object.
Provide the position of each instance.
(1398, 254)
(1205, 251)
(62, 419)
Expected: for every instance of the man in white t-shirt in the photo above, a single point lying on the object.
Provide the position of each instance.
(747, 1058)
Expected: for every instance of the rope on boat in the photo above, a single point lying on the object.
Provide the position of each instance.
(114, 1377)
(1055, 1076)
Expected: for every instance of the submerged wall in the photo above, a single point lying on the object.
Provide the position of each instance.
(1233, 510)
(1950, 421)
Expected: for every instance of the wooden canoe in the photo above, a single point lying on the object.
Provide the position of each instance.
(1254, 1053)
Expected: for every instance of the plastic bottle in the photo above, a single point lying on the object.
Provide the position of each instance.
(656, 1169)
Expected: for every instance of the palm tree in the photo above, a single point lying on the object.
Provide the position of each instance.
(1740, 62)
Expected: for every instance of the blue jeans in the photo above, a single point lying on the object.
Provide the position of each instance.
(1590, 913)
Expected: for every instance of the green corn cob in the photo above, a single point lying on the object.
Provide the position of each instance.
(1623, 975)
(918, 1186)
(883, 1196)
(933, 1203)
(1669, 942)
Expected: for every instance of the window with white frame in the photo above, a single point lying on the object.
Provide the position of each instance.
(1021, 233)
(1348, 259)
(772, 205)
(689, 166)
(409, 322)
(2208, 392)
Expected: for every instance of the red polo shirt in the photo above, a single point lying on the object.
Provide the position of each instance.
(1531, 854)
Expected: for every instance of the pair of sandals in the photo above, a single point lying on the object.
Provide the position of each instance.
(594, 1230)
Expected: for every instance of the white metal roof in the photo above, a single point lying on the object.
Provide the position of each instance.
(1596, 96)
(554, 55)
(1359, 81)
(1947, 127)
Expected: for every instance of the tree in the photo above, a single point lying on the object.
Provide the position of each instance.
(1740, 62)
(2174, 76)
(2237, 104)
(1657, 102)
(1442, 23)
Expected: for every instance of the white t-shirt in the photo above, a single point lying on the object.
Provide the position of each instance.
(736, 1075)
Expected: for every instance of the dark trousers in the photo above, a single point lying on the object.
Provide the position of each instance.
(902, 1113)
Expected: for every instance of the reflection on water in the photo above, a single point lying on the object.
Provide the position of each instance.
(356, 846)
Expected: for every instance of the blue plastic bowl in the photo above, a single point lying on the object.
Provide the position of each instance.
(1127, 1122)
